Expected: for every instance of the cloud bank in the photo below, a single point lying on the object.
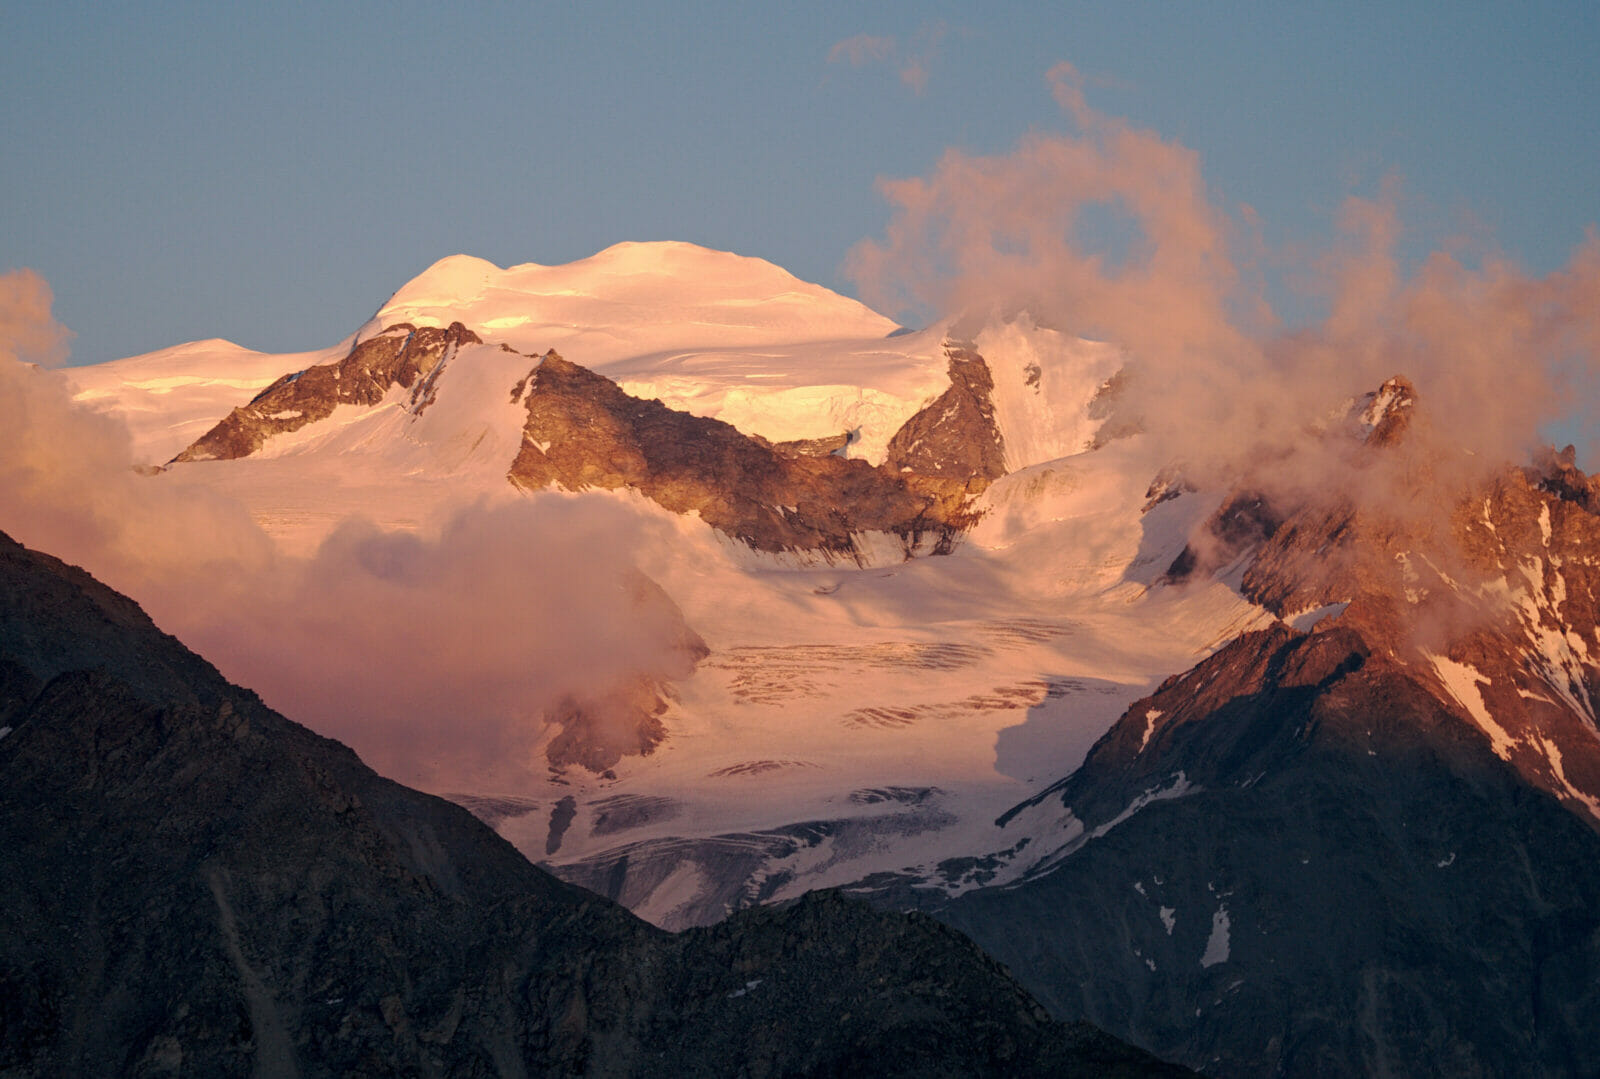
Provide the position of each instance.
(436, 657)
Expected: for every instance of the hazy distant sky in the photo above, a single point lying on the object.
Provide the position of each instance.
(269, 173)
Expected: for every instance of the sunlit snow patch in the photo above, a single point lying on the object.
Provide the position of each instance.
(1553, 755)
(1461, 681)
(1150, 718)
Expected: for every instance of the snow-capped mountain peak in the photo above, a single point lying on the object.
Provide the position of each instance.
(1122, 689)
(650, 292)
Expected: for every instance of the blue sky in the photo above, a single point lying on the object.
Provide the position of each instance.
(270, 173)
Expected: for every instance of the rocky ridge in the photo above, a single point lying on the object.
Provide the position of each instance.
(583, 431)
(1360, 841)
(402, 355)
(955, 436)
(194, 885)
(1297, 860)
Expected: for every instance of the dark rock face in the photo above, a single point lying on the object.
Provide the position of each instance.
(1249, 517)
(583, 431)
(956, 436)
(1495, 595)
(1370, 848)
(402, 356)
(1384, 416)
(191, 884)
(1341, 880)
(1240, 525)
(918, 1021)
(1557, 472)
(598, 731)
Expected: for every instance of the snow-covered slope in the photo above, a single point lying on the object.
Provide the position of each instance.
(709, 332)
(171, 397)
(847, 720)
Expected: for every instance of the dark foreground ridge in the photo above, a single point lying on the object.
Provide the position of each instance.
(191, 884)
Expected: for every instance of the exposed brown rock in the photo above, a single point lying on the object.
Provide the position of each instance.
(1241, 524)
(955, 437)
(401, 355)
(610, 722)
(1363, 843)
(1557, 472)
(1109, 407)
(584, 431)
(1386, 415)
(1299, 858)
(599, 728)
(1502, 576)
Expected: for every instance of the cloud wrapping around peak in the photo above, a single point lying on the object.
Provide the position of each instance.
(440, 658)
(1214, 379)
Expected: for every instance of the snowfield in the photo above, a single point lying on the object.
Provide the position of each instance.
(847, 720)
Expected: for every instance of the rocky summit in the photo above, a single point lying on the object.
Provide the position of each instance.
(192, 885)
(1359, 840)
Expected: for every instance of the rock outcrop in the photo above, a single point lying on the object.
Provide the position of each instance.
(1298, 860)
(584, 431)
(191, 884)
(598, 728)
(401, 355)
(1361, 841)
(955, 437)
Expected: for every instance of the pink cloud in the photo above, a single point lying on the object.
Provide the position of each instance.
(912, 63)
(436, 657)
(862, 49)
(27, 329)
(1215, 380)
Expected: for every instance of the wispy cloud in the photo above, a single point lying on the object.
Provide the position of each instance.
(861, 50)
(912, 61)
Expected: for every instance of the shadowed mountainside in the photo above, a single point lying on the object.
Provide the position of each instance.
(191, 884)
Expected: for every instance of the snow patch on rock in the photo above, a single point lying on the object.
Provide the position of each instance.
(1217, 944)
(1461, 681)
